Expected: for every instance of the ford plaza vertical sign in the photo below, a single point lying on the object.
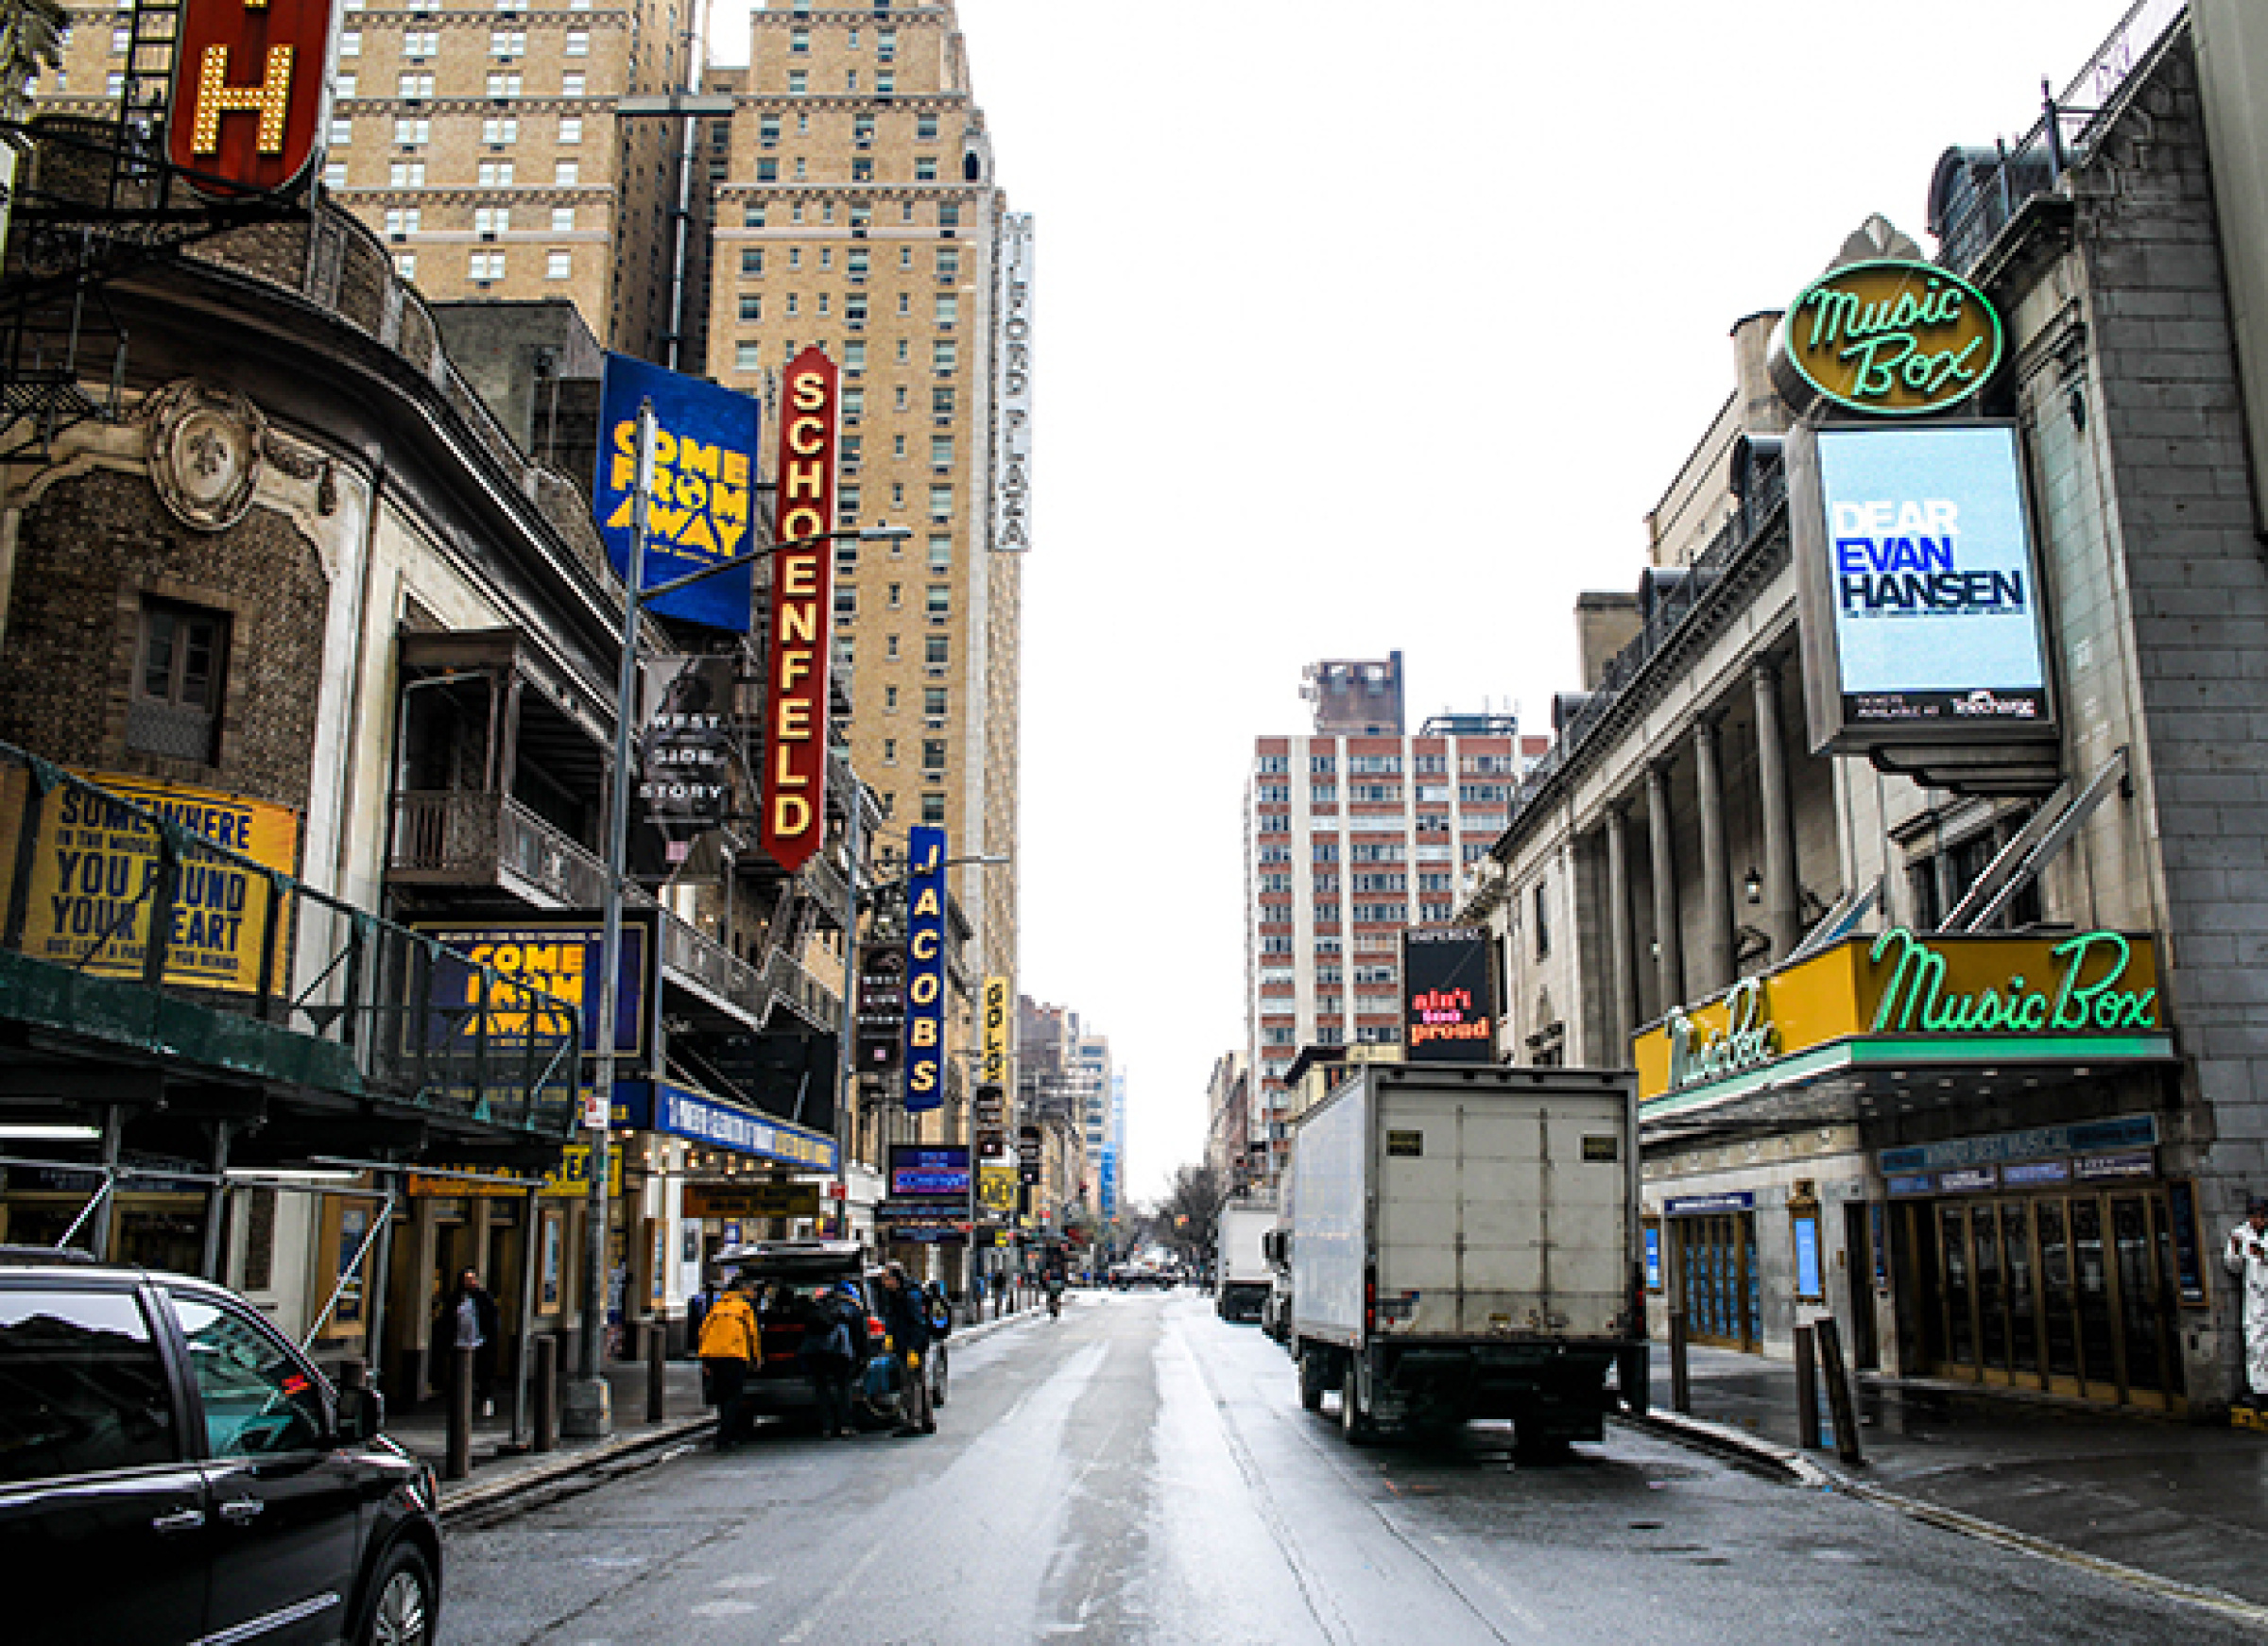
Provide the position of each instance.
(925, 971)
(704, 481)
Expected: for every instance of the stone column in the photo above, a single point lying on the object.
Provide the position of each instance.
(1669, 958)
(1620, 929)
(1784, 899)
(1716, 873)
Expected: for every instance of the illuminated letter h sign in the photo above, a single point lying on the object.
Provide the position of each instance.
(249, 84)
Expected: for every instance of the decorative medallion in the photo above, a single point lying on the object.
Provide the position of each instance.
(205, 446)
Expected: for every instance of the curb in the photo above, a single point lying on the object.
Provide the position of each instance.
(476, 1500)
(1784, 1464)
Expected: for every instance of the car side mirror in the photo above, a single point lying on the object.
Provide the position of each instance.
(361, 1414)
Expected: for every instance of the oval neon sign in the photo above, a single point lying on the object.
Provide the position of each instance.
(1892, 338)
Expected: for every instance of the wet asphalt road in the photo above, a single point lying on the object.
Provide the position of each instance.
(1142, 1472)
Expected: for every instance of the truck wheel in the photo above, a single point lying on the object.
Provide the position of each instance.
(1314, 1378)
(1354, 1422)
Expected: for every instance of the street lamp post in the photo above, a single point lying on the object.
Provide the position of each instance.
(586, 1407)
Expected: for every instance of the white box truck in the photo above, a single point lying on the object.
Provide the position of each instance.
(1240, 1274)
(1464, 1244)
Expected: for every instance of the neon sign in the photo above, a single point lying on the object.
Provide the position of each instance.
(1748, 1039)
(926, 970)
(802, 585)
(1893, 337)
(1916, 999)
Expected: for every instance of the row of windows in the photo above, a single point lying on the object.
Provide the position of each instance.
(754, 215)
(940, 561)
(944, 356)
(486, 266)
(497, 130)
(855, 307)
(857, 260)
(862, 169)
(489, 174)
(862, 129)
(932, 755)
(886, 82)
(937, 603)
(402, 221)
(885, 42)
(417, 45)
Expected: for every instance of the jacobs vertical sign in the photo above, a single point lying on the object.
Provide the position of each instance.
(248, 83)
(795, 785)
(926, 970)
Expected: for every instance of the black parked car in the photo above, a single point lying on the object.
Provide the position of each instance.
(789, 1275)
(171, 1469)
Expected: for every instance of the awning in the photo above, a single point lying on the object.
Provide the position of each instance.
(660, 1106)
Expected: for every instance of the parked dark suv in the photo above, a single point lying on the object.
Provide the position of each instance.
(788, 1275)
(171, 1469)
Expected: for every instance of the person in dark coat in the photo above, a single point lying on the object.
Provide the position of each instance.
(906, 1315)
(834, 1334)
(467, 1319)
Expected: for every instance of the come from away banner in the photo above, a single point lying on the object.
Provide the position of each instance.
(926, 970)
(704, 487)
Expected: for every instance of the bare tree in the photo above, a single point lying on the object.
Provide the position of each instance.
(1190, 1209)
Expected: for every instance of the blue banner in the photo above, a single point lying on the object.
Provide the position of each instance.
(926, 970)
(559, 956)
(680, 1113)
(704, 486)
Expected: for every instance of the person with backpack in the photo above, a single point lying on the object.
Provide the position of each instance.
(906, 1315)
(833, 1337)
(731, 1351)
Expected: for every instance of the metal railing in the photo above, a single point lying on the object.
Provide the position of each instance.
(1980, 191)
(138, 921)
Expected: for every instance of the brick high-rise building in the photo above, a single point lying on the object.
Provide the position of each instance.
(1349, 839)
(854, 207)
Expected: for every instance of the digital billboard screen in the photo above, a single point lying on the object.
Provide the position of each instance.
(1449, 993)
(1930, 580)
(929, 1172)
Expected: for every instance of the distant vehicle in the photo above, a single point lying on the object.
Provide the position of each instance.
(1126, 1277)
(1240, 1277)
(172, 1469)
(1276, 1312)
(1465, 1244)
(789, 1276)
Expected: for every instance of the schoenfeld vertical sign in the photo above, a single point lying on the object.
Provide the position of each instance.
(926, 970)
(795, 785)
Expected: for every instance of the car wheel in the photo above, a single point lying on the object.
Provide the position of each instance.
(402, 1604)
(939, 1371)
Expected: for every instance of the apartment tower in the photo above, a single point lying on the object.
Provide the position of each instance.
(854, 207)
(1349, 837)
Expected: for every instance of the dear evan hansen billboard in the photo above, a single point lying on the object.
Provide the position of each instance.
(1922, 614)
(704, 487)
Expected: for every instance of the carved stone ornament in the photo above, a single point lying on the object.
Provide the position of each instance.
(205, 446)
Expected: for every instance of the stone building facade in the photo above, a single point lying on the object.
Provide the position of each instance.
(2010, 1212)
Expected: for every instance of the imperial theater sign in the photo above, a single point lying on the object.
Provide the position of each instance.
(1906, 998)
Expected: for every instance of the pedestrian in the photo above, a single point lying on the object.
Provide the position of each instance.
(731, 1351)
(908, 1321)
(2247, 1258)
(467, 1320)
(833, 1336)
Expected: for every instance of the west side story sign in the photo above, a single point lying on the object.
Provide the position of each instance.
(1012, 386)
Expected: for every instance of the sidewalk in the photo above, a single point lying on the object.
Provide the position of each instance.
(2180, 1501)
(506, 1476)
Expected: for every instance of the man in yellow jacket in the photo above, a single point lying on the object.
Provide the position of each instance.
(731, 1353)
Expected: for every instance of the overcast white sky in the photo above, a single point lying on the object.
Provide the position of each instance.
(1375, 325)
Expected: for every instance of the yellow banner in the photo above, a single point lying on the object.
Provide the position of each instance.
(996, 1187)
(751, 1200)
(569, 1179)
(995, 1064)
(95, 869)
(2083, 991)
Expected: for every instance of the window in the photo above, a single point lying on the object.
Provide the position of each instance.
(845, 604)
(949, 215)
(486, 265)
(507, 42)
(885, 84)
(940, 451)
(500, 132)
(932, 757)
(342, 133)
(259, 1400)
(933, 810)
(799, 43)
(926, 128)
(944, 354)
(495, 174)
(798, 83)
(801, 171)
(748, 357)
(767, 170)
(862, 169)
(862, 130)
(855, 308)
(559, 265)
(490, 221)
(349, 43)
(767, 129)
(346, 87)
(415, 87)
(334, 175)
(1323, 795)
(940, 554)
(504, 86)
(943, 401)
(181, 659)
(751, 306)
(406, 174)
(87, 1392)
(563, 220)
(854, 356)
(1543, 918)
(940, 602)
(578, 42)
(933, 702)
(400, 220)
(795, 303)
(751, 217)
(854, 405)
(938, 651)
(571, 85)
(940, 503)
(566, 174)
(419, 42)
(889, 752)
(886, 46)
(406, 265)
(851, 81)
